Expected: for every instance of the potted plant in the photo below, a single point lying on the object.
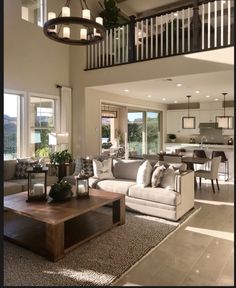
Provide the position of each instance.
(172, 137)
(61, 191)
(59, 159)
(111, 14)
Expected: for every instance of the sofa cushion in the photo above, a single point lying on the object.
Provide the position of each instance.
(157, 194)
(9, 169)
(144, 174)
(126, 169)
(117, 185)
(12, 187)
(102, 169)
(23, 183)
(168, 179)
(157, 175)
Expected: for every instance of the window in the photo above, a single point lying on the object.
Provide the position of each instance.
(143, 132)
(42, 125)
(12, 125)
(34, 11)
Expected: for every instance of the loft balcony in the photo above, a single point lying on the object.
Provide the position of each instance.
(203, 26)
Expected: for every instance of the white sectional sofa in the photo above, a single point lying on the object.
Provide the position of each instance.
(155, 201)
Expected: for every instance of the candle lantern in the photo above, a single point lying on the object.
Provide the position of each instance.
(82, 185)
(37, 184)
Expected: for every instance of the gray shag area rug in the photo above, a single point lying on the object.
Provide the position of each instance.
(98, 262)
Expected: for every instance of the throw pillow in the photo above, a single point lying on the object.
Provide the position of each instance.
(87, 166)
(102, 169)
(78, 166)
(157, 175)
(168, 179)
(144, 174)
(21, 166)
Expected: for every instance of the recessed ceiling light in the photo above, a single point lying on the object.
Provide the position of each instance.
(149, 96)
(164, 99)
(197, 91)
(179, 84)
(216, 99)
(175, 101)
(208, 96)
(126, 90)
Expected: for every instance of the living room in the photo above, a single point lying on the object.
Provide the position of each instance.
(39, 70)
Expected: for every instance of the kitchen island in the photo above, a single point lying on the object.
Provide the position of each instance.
(208, 148)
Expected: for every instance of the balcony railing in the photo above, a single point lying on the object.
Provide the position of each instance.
(201, 27)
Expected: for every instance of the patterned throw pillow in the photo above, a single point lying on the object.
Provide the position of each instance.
(102, 169)
(21, 166)
(157, 175)
(87, 166)
(78, 166)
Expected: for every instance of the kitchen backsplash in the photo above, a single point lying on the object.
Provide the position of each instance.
(211, 137)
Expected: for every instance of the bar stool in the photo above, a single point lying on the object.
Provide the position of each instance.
(223, 160)
(198, 153)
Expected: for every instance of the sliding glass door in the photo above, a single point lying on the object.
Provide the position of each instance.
(143, 132)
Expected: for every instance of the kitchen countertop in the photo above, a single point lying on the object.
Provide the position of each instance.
(206, 146)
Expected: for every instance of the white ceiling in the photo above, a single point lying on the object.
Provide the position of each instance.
(211, 84)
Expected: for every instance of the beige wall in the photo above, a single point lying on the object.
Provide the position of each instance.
(32, 62)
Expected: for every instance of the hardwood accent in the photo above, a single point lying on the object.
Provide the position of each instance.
(52, 229)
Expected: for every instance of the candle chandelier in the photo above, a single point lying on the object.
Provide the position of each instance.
(59, 28)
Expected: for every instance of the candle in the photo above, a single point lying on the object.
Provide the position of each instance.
(38, 189)
(51, 15)
(66, 32)
(81, 188)
(99, 20)
(65, 12)
(86, 14)
(83, 34)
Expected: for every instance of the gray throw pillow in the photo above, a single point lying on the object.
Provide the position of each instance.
(168, 179)
(157, 175)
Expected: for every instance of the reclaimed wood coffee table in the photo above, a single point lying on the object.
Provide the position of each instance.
(53, 229)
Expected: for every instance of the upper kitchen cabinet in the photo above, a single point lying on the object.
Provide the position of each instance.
(174, 121)
(209, 111)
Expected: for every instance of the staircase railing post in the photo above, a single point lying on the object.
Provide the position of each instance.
(196, 27)
(131, 38)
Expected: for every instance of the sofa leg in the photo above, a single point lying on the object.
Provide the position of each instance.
(212, 184)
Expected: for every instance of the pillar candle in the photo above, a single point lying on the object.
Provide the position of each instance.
(66, 32)
(86, 14)
(65, 12)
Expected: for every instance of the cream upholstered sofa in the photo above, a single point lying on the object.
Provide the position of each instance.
(14, 185)
(155, 201)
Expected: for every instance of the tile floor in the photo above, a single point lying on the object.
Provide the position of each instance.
(200, 252)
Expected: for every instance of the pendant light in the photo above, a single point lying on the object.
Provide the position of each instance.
(225, 122)
(107, 113)
(188, 122)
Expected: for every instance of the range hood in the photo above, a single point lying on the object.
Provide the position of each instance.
(208, 125)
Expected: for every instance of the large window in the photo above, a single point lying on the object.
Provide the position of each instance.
(12, 125)
(143, 132)
(34, 11)
(42, 125)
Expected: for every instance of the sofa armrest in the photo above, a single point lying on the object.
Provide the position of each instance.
(185, 186)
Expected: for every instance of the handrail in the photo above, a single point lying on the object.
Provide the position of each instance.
(203, 25)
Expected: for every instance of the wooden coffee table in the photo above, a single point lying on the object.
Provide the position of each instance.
(53, 229)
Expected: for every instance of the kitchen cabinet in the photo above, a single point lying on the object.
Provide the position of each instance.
(174, 121)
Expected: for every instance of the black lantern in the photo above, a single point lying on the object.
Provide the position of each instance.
(37, 184)
(82, 186)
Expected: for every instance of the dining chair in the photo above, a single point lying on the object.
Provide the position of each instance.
(199, 153)
(223, 160)
(211, 174)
